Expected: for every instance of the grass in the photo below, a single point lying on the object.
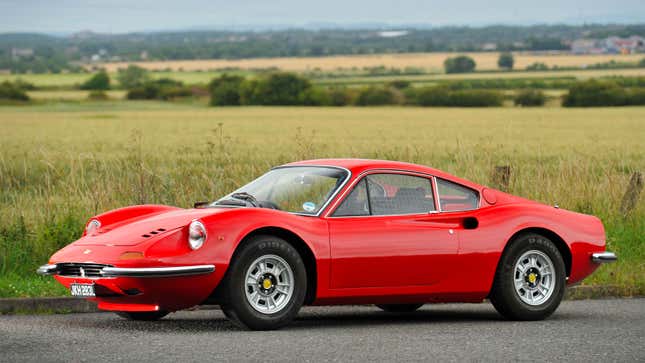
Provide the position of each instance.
(73, 80)
(63, 162)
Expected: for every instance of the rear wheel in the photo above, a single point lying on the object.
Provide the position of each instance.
(266, 284)
(142, 316)
(399, 308)
(530, 279)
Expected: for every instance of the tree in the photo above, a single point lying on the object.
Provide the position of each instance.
(459, 64)
(225, 90)
(99, 81)
(279, 88)
(506, 60)
(132, 77)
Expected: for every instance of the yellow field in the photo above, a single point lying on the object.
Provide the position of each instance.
(432, 62)
(70, 95)
(63, 162)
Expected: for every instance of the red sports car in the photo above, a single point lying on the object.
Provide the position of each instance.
(344, 231)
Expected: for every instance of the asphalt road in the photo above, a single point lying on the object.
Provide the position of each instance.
(591, 330)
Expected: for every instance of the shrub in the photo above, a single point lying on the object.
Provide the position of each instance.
(459, 64)
(506, 60)
(133, 76)
(279, 88)
(375, 96)
(399, 84)
(11, 91)
(225, 90)
(595, 93)
(99, 81)
(339, 97)
(160, 89)
(315, 96)
(530, 97)
(97, 95)
(537, 66)
(443, 96)
(147, 91)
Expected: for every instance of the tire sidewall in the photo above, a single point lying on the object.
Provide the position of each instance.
(251, 250)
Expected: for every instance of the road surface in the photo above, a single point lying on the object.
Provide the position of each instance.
(590, 330)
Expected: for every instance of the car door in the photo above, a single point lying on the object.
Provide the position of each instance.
(386, 233)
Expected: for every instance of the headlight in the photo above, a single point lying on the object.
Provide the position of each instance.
(196, 234)
(92, 227)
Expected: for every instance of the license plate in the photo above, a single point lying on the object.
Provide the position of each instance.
(82, 290)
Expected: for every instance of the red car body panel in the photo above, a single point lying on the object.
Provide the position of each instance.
(430, 257)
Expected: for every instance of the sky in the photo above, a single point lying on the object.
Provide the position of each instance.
(120, 16)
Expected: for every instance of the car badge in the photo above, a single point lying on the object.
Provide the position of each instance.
(87, 252)
(82, 271)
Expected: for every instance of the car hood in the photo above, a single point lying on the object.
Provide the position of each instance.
(141, 229)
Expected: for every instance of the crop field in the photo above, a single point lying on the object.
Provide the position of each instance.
(432, 62)
(65, 81)
(60, 163)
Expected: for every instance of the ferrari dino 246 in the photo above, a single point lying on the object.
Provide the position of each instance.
(342, 231)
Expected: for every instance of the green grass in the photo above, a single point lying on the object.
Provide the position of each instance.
(63, 162)
(71, 80)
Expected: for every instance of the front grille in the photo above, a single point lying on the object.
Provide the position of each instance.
(80, 269)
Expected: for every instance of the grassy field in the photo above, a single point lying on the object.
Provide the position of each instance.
(63, 162)
(432, 62)
(66, 81)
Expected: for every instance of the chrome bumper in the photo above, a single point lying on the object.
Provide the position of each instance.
(140, 271)
(603, 257)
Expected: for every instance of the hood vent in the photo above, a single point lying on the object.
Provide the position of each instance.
(152, 233)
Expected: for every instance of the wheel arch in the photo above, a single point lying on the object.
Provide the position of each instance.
(300, 245)
(559, 242)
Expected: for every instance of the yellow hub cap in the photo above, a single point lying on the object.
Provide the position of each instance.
(532, 278)
(266, 284)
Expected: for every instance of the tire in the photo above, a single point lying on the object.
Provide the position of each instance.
(265, 305)
(534, 264)
(399, 308)
(142, 316)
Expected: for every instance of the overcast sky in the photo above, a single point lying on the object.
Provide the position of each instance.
(118, 16)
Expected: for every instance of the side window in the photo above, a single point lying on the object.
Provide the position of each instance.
(355, 204)
(391, 194)
(454, 197)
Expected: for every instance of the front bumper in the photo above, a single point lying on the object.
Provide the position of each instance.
(143, 272)
(603, 257)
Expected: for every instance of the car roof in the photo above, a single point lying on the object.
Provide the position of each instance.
(358, 166)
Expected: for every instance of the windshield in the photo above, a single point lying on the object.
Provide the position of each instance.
(300, 189)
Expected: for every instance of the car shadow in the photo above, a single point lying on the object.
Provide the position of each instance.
(214, 321)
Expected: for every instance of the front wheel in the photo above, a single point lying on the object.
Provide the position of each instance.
(399, 308)
(530, 279)
(266, 284)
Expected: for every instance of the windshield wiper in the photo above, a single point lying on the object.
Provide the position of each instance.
(247, 198)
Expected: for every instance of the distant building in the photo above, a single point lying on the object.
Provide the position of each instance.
(17, 53)
(611, 45)
(633, 44)
(487, 47)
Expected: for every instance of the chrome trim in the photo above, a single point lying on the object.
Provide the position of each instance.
(157, 271)
(47, 270)
(602, 257)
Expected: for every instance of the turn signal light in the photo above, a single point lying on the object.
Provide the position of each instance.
(130, 255)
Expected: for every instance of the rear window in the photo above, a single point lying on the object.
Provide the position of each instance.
(454, 197)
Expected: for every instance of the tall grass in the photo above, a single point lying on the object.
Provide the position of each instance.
(60, 165)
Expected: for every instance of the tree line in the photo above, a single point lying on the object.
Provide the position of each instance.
(55, 54)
